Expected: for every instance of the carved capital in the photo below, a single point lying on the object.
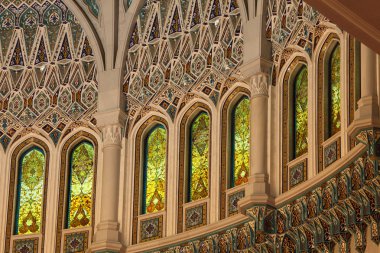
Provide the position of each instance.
(259, 85)
(112, 135)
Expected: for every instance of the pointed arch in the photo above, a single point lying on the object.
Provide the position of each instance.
(198, 113)
(227, 146)
(329, 99)
(294, 122)
(77, 209)
(144, 193)
(29, 172)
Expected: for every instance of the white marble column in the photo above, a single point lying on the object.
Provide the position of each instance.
(368, 108)
(107, 234)
(257, 190)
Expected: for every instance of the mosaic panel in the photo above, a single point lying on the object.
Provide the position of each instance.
(196, 216)
(76, 242)
(193, 46)
(151, 229)
(297, 173)
(233, 200)
(47, 67)
(331, 153)
(26, 245)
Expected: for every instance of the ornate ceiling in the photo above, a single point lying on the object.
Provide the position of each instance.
(293, 25)
(181, 49)
(48, 72)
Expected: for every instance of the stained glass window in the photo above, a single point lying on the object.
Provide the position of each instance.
(334, 96)
(300, 114)
(154, 190)
(80, 190)
(199, 157)
(240, 142)
(30, 191)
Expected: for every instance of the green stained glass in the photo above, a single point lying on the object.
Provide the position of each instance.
(199, 157)
(240, 142)
(81, 180)
(155, 171)
(300, 115)
(30, 192)
(334, 92)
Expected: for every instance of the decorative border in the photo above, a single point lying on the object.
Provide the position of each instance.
(182, 151)
(76, 138)
(332, 38)
(138, 166)
(11, 199)
(285, 120)
(224, 148)
(353, 75)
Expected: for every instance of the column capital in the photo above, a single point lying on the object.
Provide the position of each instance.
(259, 85)
(111, 123)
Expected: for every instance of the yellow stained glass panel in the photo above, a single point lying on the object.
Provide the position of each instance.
(30, 192)
(155, 171)
(81, 186)
(199, 157)
(241, 136)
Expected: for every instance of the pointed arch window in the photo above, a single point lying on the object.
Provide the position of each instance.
(333, 93)
(80, 186)
(30, 192)
(154, 173)
(300, 114)
(240, 139)
(199, 157)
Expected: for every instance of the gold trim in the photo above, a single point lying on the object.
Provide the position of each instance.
(13, 182)
(137, 169)
(76, 138)
(224, 148)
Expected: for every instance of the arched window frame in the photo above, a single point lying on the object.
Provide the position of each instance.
(65, 167)
(226, 192)
(183, 206)
(289, 165)
(11, 214)
(138, 216)
(327, 142)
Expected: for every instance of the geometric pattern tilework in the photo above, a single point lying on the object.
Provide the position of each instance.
(179, 47)
(331, 154)
(76, 242)
(151, 229)
(233, 200)
(26, 245)
(297, 173)
(342, 212)
(47, 69)
(196, 216)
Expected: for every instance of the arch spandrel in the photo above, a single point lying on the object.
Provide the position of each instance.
(49, 61)
(178, 47)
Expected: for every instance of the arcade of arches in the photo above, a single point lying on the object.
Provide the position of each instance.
(186, 126)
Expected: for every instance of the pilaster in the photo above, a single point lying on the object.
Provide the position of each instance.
(367, 115)
(107, 234)
(258, 190)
